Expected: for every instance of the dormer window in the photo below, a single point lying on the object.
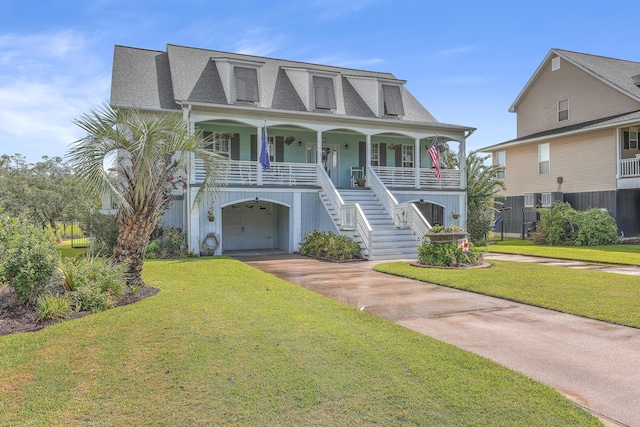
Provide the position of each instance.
(392, 101)
(325, 95)
(246, 84)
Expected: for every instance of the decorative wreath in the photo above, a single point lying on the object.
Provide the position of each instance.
(210, 244)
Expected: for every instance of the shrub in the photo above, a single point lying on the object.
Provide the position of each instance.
(563, 225)
(447, 254)
(52, 306)
(169, 243)
(29, 258)
(94, 282)
(329, 245)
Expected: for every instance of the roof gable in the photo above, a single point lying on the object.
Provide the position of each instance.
(616, 73)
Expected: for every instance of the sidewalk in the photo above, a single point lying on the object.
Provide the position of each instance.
(608, 268)
(595, 364)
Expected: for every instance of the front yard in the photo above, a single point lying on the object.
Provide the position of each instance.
(225, 344)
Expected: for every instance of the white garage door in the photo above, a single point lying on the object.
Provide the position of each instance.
(247, 225)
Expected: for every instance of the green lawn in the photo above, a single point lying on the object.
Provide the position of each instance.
(66, 251)
(610, 297)
(226, 344)
(613, 254)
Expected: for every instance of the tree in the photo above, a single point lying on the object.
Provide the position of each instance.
(482, 187)
(152, 150)
(41, 193)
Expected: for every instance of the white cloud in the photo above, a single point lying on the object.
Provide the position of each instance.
(46, 81)
(259, 42)
(447, 54)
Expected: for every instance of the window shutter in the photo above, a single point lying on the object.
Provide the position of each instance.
(383, 154)
(392, 100)
(398, 156)
(246, 84)
(626, 140)
(324, 93)
(279, 148)
(254, 148)
(362, 154)
(235, 147)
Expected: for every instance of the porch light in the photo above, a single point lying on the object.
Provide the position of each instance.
(346, 146)
(299, 143)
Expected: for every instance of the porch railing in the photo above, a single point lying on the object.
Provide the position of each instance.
(394, 177)
(246, 173)
(629, 168)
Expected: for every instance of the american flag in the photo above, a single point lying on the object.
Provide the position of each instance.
(434, 153)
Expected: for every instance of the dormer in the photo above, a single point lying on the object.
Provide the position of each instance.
(241, 80)
(319, 90)
(383, 96)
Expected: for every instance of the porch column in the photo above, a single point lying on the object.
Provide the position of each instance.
(416, 161)
(463, 163)
(190, 219)
(618, 152)
(259, 143)
(368, 154)
(319, 148)
(193, 220)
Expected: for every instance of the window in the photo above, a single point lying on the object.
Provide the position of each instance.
(501, 160)
(543, 159)
(324, 93)
(375, 154)
(246, 84)
(563, 110)
(218, 144)
(407, 156)
(631, 139)
(392, 101)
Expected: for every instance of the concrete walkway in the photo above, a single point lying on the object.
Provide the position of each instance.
(595, 364)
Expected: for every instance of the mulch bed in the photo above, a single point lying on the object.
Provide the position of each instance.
(16, 318)
(466, 267)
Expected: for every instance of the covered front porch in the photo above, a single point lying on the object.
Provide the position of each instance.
(297, 153)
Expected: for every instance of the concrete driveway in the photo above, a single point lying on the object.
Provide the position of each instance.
(595, 364)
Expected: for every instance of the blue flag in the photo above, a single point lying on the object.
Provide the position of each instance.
(264, 151)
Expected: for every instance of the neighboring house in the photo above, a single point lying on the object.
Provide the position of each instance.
(326, 127)
(577, 140)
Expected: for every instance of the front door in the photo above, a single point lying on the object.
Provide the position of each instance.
(330, 161)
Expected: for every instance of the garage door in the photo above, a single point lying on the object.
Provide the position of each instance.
(247, 226)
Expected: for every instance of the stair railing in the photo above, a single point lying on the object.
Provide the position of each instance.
(351, 216)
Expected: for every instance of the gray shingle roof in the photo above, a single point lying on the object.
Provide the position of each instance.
(161, 80)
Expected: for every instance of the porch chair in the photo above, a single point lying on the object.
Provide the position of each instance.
(356, 172)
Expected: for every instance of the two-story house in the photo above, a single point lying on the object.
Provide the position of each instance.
(577, 140)
(324, 127)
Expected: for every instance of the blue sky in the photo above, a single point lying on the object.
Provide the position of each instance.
(465, 61)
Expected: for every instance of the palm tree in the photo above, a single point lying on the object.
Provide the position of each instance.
(152, 150)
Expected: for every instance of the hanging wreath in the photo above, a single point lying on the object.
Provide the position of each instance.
(210, 244)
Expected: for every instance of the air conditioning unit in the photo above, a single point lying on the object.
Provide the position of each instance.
(550, 199)
(531, 200)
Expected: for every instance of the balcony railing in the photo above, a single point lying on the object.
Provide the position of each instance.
(394, 177)
(247, 173)
(630, 168)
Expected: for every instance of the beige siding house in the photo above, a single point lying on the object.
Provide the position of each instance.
(578, 119)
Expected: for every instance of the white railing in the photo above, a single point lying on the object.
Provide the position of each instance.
(381, 191)
(351, 216)
(246, 173)
(629, 168)
(449, 179)
(396, 177)
(406, 177)
(364, 230)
